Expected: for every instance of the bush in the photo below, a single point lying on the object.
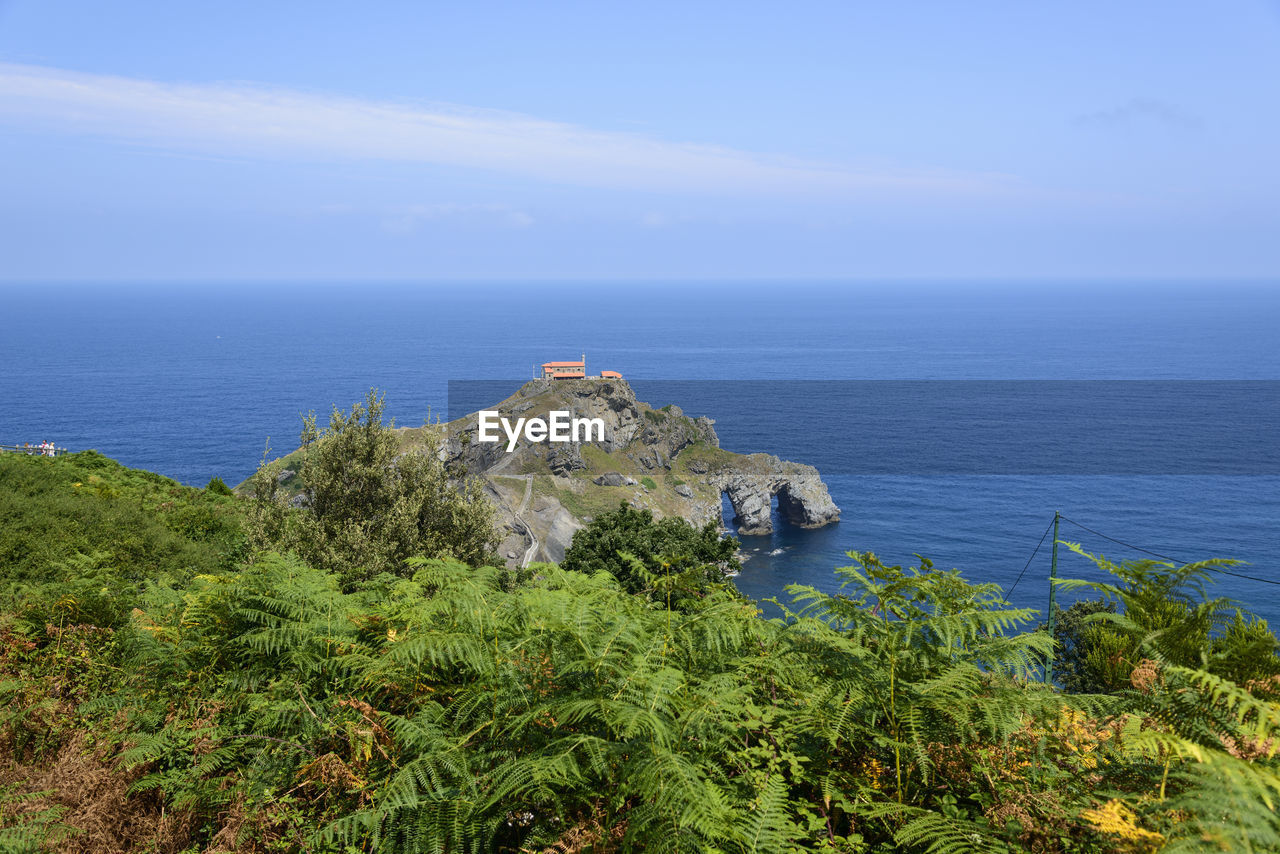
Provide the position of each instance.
(367, 508)
(265, 708)
(640, 552)
(1158, 611)
(217, 487)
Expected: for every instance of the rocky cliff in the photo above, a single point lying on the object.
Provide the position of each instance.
(659, 459)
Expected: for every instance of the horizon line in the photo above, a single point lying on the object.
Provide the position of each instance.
(672, 278)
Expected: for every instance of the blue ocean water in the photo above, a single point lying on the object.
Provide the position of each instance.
(191, 380)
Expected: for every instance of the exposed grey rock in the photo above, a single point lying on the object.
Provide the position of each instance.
(706, 429)
(613, 478)
(803, 499)
(559, 535)
(555, 526)
(284, 475)
(563, 460)
(684, 490)
(752, 506)
(656, 437)
(299, 501)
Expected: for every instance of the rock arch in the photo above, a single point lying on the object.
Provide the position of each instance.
(803, 500)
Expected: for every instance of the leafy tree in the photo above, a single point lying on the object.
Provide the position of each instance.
(366, 507)
(1084, 649)
(639, 552)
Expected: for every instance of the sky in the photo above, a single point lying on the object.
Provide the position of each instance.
(304, 141)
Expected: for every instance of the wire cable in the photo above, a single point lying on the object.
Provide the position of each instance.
(1033, 557)
(1161, 556)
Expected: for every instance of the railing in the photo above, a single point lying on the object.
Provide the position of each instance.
(41, 450)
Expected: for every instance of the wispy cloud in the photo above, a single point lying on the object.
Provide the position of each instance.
(407, 220)
(248, 120)
(1137, 111)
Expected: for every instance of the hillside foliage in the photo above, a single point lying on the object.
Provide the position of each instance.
(365, 507)
(668, 558)
(225, 693)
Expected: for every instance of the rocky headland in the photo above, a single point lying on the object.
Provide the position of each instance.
(660, 459)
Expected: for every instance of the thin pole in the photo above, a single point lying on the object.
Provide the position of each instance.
(1053, 590)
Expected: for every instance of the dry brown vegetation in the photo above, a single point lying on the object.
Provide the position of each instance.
(87, 794)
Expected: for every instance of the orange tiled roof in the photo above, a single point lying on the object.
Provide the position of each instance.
(613, 375)
(564, 364)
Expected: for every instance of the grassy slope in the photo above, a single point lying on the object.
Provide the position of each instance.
(142, 525)
(585, 499)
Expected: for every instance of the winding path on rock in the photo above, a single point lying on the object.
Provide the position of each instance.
(524, 505)
(533, 539)
(520, 520)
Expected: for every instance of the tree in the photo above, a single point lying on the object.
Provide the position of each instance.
(693, 559)
(1081, 663)
(368, 507)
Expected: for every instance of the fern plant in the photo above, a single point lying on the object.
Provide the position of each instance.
(1207, 744)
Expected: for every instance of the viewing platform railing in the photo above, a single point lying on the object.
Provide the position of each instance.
(34, 450)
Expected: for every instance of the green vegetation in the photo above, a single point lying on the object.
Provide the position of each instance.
(587, 501)
(597, 460)
(648, 483)
(1077, 644)
(668, 557)
(172, 680)
(1154, 611)
(707, 457)
(218, 487)
(57, 516)
(369, 507)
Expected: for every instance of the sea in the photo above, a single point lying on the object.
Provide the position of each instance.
(951, 420)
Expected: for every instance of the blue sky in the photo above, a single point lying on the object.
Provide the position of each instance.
(423, 141)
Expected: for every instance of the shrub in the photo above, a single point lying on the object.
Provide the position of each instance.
(217, 487)
(639, 552)
(367, 508)
(1159, 611)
